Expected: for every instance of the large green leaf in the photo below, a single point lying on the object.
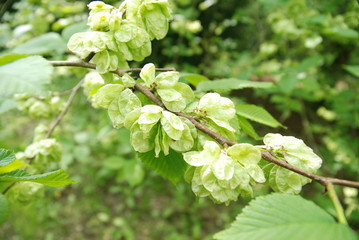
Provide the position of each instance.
(247, 127)
(171, 166)
(46, 43)
(257, 114)
(193, 78)
(4, 209)
(26, 75)
(74, 28)
(6, 157)
(353, 69)
(53, 179)
(6, 104)
(231, 84)
(8, 58)
(282, 217)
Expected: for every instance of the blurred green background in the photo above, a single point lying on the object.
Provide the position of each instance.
(309, 49)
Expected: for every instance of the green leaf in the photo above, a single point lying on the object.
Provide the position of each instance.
(282, 217)
(56, 178)
(46, 43)
(6, 104)
(171, 166)
(193, 78)
(6, 157)
(288, 82)
(247, 127)
(16, 164)
(231, 84)
(353, 69)
(8, 58)
(257, 114)
(72, 29)
(26, 75)
(4, 209)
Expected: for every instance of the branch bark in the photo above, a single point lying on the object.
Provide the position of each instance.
(325, 181)
(74, 90)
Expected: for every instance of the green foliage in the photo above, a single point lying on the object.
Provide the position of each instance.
(53, 179)
(10, 172)
(6, 157)
(193, 79)
(353, 70)
(8, 58)
(247, 127)
(44, 44)
(170, 166)
(4, 209)
(230, 84)
(280, 216)
(257, 114)
(35, 75)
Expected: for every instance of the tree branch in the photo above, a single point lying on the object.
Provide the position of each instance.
(64, 111)
(325, 181)
(81, 63)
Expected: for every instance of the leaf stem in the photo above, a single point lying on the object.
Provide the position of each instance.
(338, 207)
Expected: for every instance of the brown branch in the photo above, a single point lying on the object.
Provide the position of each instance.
(64, 111)
(119, 71)
(8, 188)
(221, 140)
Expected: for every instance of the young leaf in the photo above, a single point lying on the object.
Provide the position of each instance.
(6, 104)
(171, 166)
(4, 209)
(46, 43)
(247, 127)
(12, 166)
(283, 216)
(8, 58)
(6, 157)
(353, 69)
(257, 114)
(230, 84)
(35, 73)
(56, 178)
(193, 78)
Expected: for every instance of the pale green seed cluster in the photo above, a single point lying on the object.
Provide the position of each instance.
(43, 152)
(217, 113)
(151, 126)
(158, 129)
(175, 95)
(295, 152)
(26, 192)
(224, 174)
(121, 34)
(39, 107)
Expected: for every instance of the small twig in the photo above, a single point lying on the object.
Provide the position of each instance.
(338, 207)
(93, 66)
(67, 106)
(8, 188)
(222, 140)
(74, 90)
(62, 93)
(89, 57)
(150, 95)
(6, 6)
